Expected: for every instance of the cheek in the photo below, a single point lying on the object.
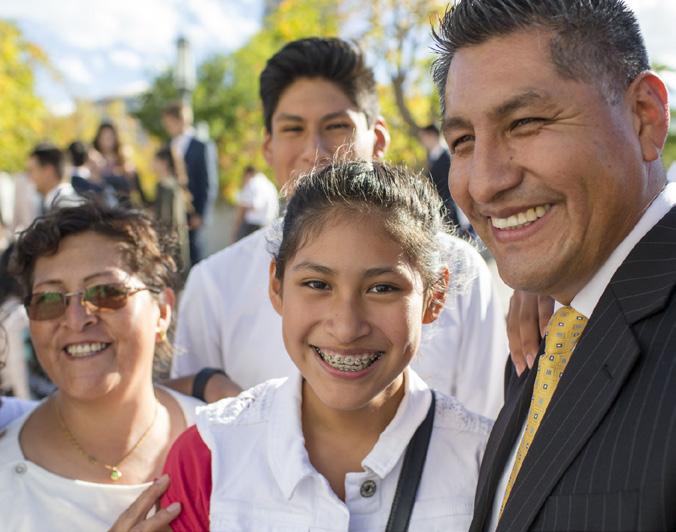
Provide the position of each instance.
(42, 334)
(403, 322)
(458, 185)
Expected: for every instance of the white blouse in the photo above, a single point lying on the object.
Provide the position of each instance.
(32, 499)
(263, 479)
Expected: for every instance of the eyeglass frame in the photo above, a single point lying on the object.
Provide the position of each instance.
(90, 307)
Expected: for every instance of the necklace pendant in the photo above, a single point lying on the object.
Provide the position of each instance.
(115, 474)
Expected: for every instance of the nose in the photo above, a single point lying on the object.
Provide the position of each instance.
(315, 152)
(347, 322)
(493, 171)
(77, 317)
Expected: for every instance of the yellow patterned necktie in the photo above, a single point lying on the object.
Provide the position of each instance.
(563, 332)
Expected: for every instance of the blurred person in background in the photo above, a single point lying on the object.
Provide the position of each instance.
(45, 168)
(177, 121)
(257, 203)
(83, 180)
(13, 334)
(113, 162)
(98, 293)
(172, 198)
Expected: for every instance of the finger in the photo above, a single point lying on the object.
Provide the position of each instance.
(545, 311)
(141, 506)
(160, 521)
(514, 334)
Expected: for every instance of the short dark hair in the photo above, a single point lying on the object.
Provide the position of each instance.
(336, 60)
(596, 41)
(77, 152)
(432, 129)
(48, 154)
(148, 252)
(407, 205)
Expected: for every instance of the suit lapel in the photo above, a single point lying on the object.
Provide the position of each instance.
(607, 352)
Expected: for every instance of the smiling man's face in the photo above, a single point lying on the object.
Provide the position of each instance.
(547, 169)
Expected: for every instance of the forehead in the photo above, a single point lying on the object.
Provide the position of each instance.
(79, 257)
(340, 239)
(313, 99)
(484, 75)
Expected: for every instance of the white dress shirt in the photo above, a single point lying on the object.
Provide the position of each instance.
(263, 478)
(33, 499)
(261, 200)
(587, 299)
(226, 320)
(62, 195)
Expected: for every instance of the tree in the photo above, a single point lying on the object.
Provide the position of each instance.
(21, 111)
(226, 95)
(398, 35)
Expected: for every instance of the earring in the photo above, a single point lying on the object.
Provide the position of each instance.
(162, 335)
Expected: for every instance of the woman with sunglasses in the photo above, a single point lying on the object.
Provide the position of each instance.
(99, 299)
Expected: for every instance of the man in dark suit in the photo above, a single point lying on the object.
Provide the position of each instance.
(177, 121)
(438, 164)
(556, 127)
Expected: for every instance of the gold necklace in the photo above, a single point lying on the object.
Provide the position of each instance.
(115, 473)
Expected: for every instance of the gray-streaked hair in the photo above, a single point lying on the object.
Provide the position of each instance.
(596, 41)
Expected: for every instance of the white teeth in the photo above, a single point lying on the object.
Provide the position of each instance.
(522, 218)
(83, 350)
(350, 363)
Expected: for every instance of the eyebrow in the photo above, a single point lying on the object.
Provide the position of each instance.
(500, 112)
(282, 117)
(514, 104)
(85, 280)
(371, 272)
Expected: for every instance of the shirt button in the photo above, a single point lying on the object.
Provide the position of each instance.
(20, 469)
(368, 489)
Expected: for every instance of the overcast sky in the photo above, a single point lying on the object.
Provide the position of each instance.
(112, 47)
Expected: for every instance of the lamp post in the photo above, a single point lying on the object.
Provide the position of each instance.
(184, 76)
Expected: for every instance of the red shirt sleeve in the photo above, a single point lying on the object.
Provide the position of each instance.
(189, 468)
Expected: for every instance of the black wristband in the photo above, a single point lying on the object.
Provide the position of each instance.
(199, 384)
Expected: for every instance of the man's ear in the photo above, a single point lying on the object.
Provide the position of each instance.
(650, 108)
(382, 138)
(436, 301)
(167, 300)
(275, 288)
(267, 152)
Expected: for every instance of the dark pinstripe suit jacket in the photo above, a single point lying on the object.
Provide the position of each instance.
(604, 457)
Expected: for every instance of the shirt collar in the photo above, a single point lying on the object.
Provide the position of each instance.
(52, 196)
(586, 299)
(289, 460)
(181, 142)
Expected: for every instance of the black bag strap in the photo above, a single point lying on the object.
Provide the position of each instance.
(411, 472)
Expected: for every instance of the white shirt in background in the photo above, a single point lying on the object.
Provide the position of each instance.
(62, 195)
(260, 198)
(226, 320)
(13, 348)
(263, 478)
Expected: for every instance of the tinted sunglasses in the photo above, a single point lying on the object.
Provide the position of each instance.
(106, 296)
